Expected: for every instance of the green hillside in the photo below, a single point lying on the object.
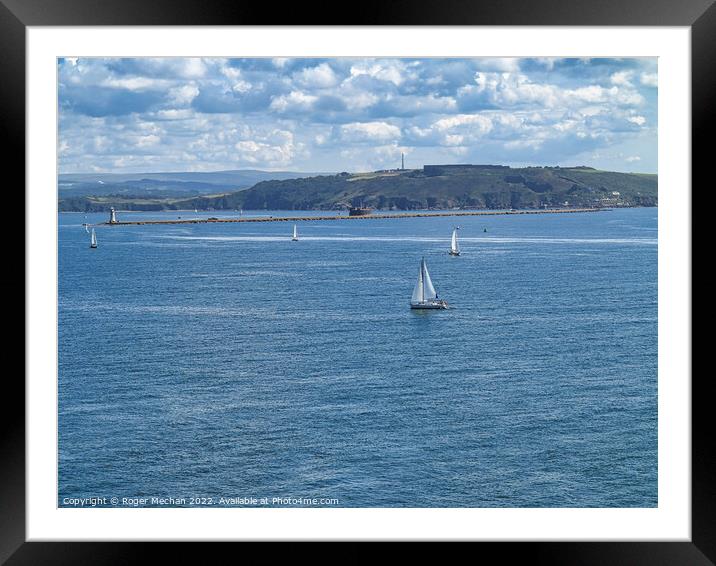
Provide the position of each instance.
(433, 187)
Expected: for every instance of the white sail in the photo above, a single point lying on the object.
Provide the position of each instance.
(295, 232)
(454, 248)
(418, 296)
(94, 239)
(428, 289)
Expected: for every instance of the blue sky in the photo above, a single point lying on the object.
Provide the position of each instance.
(353, 114)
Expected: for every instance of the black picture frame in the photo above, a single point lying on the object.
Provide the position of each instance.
(17, 15)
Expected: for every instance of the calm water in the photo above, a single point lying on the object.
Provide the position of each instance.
(226, 360)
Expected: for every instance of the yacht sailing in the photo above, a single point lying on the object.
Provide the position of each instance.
(424, 294)
(295, 234)
(93, 239)
(454, 248)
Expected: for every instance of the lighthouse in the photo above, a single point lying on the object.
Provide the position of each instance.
(112, 216)
(402, 162)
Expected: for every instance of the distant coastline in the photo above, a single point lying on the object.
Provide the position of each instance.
(434, 187)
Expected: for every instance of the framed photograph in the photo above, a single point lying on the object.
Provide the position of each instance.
(422, 276)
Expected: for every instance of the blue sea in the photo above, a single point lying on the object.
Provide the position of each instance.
(209, 361)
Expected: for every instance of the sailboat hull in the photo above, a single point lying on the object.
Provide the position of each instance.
(438, 304)
(454, 253)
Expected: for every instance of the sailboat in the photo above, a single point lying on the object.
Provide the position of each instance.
(93, 239)
(295, 234)
(454, 248)
(424, 295)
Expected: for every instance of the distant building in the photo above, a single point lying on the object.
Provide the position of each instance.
(112, 216)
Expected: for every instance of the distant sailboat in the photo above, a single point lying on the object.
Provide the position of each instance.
(295, 234)
(93, 239)
(86, 227)
(454, 248)
(424, 294)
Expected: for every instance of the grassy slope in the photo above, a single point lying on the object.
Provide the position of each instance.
(484, 187)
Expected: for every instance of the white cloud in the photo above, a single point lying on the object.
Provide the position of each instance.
(356, 98)
(231, 73)
(591, 94)
(148, 141)
(217, 113)
(621, 78)
(454, 139)
(296, 100)
(174, 114)
(277, 150)
(452, 131)
(516, 89)
(193, 68)
(241, 87)
(475, 122)
(369, 131)
(320, 139)
(388, 71)
(566, 125)
(503, 64)
(238, 84)
(429, 103)
(183, 95)
(548, 62)
(100, 143)
(649, 79)
(321, 76)
(136, 83)
(509, 89)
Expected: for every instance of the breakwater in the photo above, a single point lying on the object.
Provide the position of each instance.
(211, 220)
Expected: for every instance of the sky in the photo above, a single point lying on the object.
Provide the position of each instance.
(119, 115)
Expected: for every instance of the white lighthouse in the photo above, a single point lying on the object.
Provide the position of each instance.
(112, 216)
